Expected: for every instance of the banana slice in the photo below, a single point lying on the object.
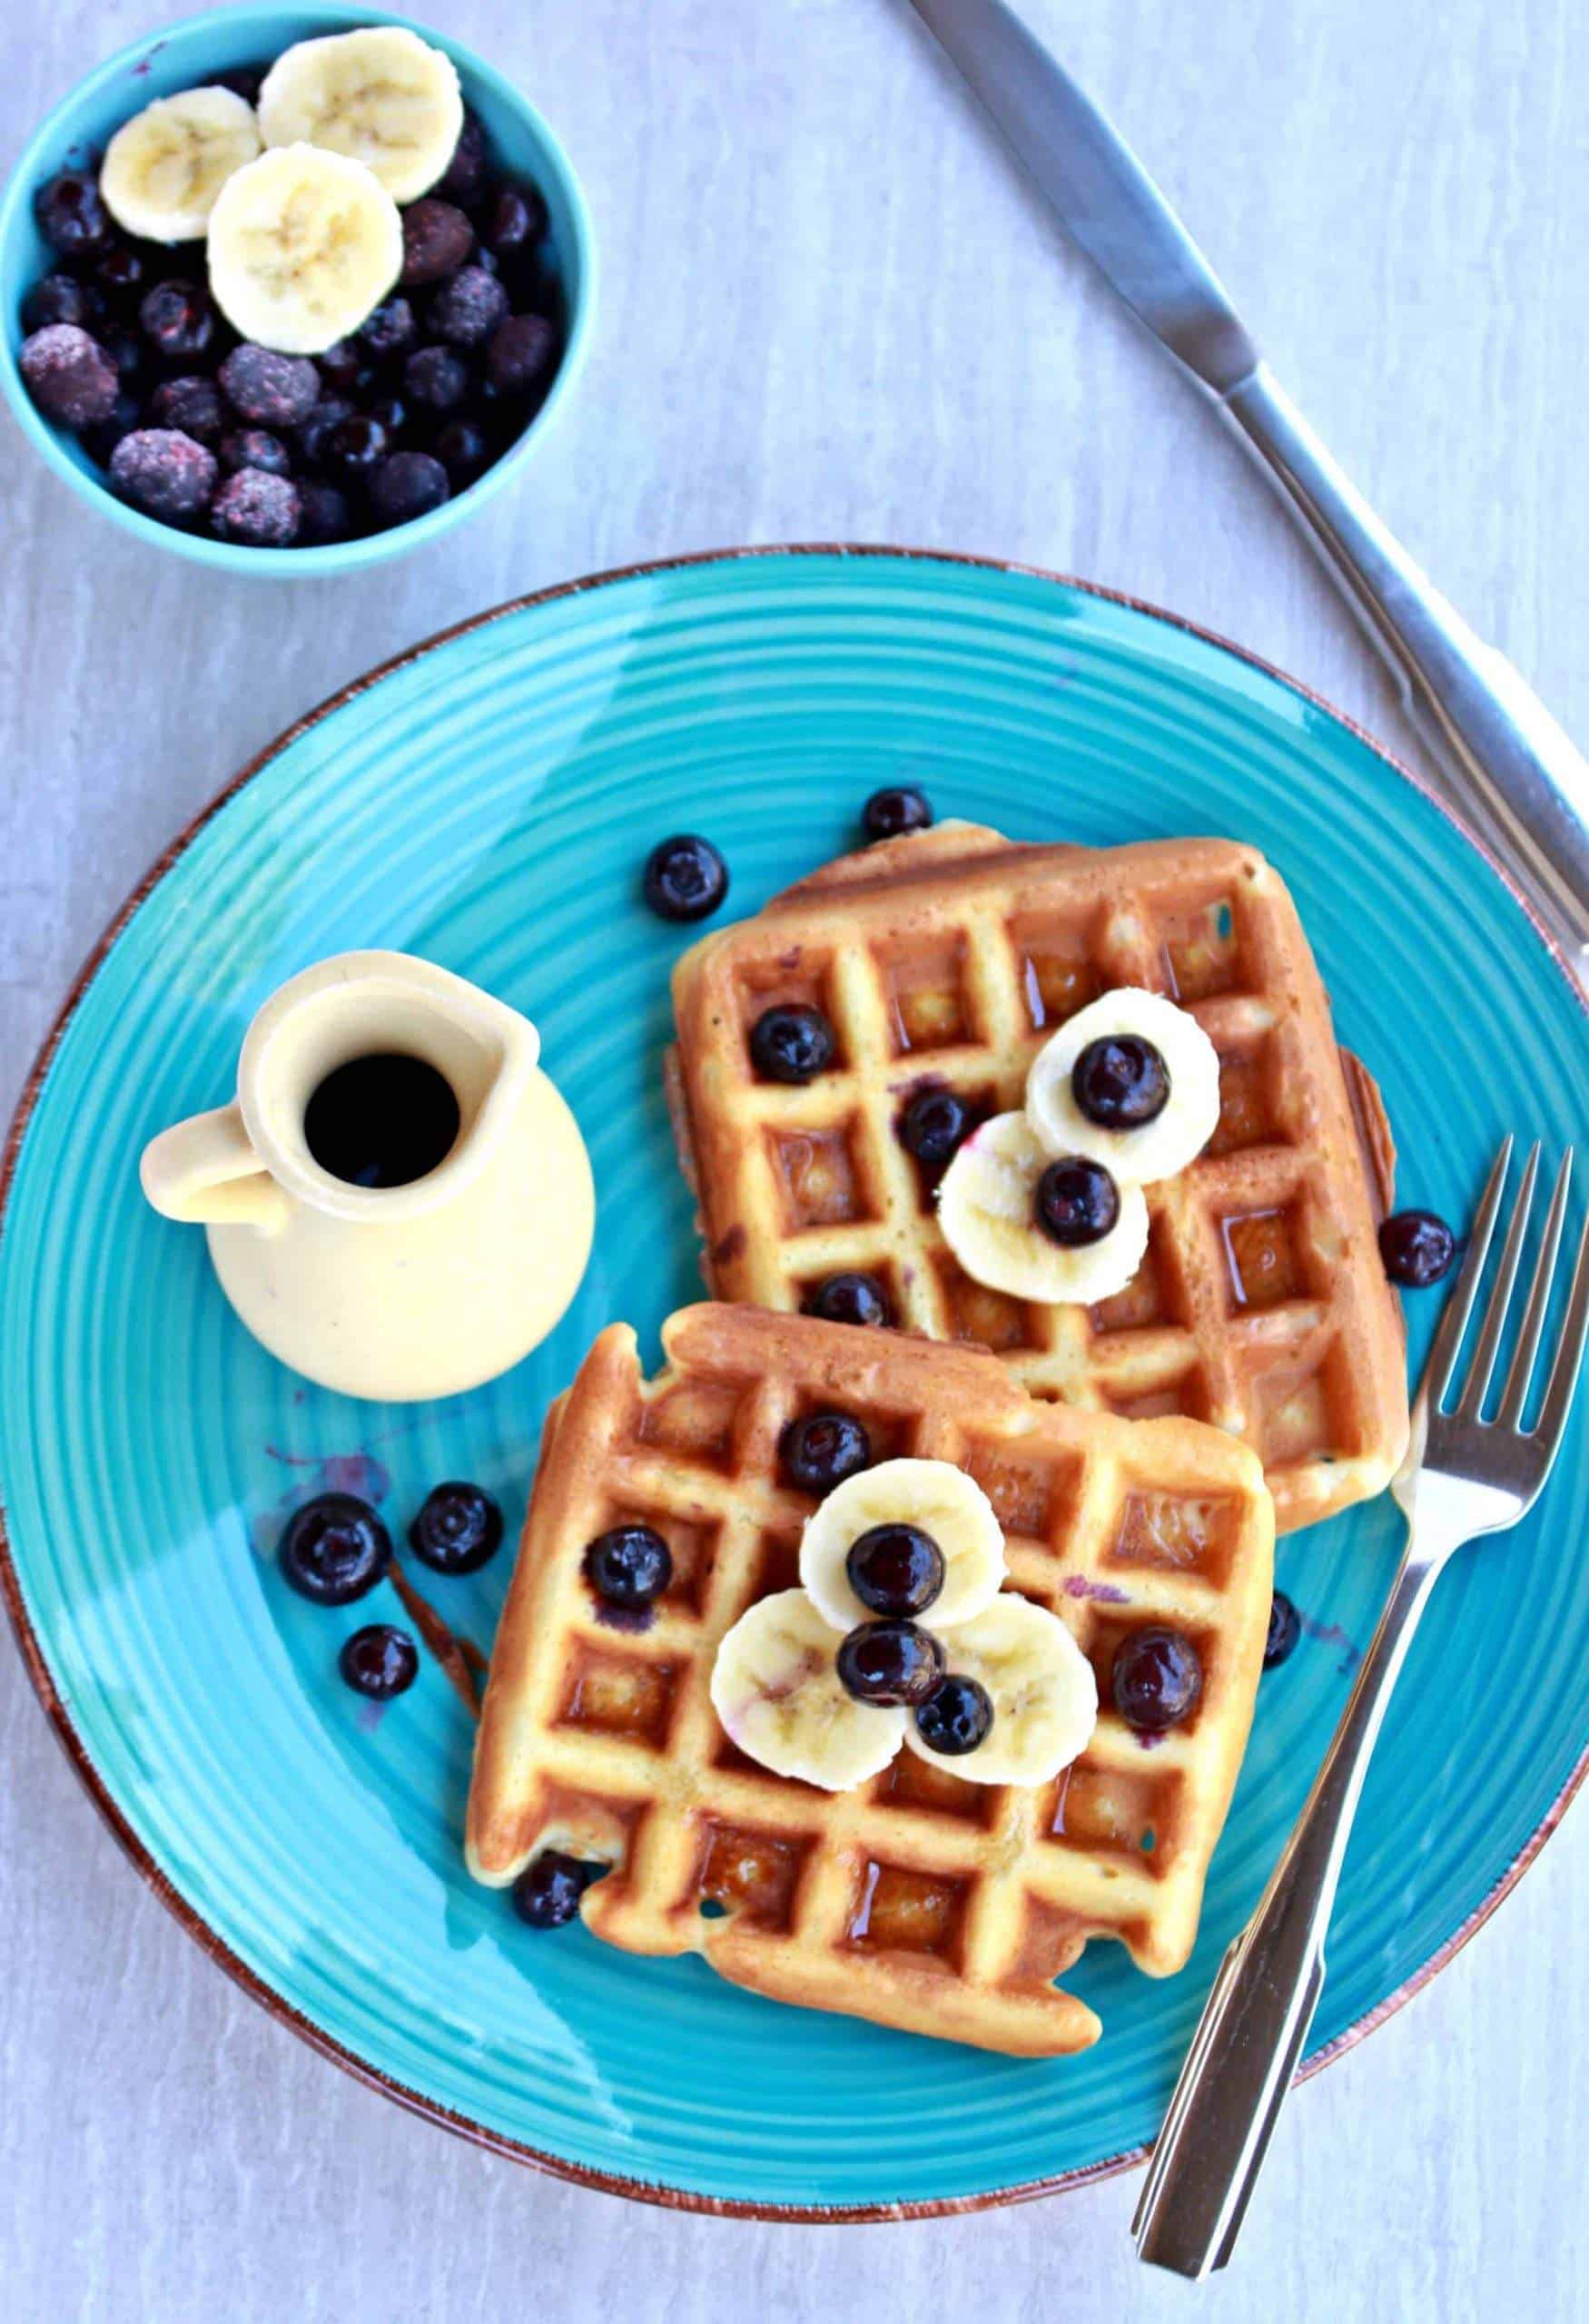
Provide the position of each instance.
(1159, 1149)
(943, 1501)
(163, 169)
(381, 97)
(303, 244)
(1042, 1687)
(776, 1690)
(986, 1209)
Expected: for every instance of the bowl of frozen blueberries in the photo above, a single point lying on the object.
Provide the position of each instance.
(289, 290)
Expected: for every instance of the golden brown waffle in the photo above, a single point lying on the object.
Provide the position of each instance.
(918, 1899)
(950, 956)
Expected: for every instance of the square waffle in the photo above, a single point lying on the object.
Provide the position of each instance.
(950, 956)
(918, 1899)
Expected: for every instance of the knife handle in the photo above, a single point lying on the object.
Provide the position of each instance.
(1512, 772)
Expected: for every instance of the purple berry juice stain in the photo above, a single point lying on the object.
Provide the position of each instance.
(1102, 1593)
(369, 1716)
(1332, 1634)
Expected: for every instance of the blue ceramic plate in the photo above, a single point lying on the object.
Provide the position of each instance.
(487, 801)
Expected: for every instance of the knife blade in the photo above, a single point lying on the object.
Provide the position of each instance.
(1518, 780)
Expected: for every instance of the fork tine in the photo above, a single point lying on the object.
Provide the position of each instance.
(1495, 1322)
(1521, 1370)
(1454, 1316)
(1552, 1424)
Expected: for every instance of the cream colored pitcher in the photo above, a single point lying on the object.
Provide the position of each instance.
(388, 1290)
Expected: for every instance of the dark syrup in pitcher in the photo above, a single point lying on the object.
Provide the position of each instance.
(381, 1121)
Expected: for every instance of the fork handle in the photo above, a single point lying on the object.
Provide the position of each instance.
(1250, 2037)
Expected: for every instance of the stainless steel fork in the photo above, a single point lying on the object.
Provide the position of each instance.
(1463, 1475)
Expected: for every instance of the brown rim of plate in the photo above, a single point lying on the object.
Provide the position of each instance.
(197, 1927)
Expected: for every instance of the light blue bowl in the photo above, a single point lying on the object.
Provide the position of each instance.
(183, 56)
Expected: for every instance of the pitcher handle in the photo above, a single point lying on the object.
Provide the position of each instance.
(204, 1171)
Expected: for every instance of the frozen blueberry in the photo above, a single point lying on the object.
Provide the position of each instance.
(850, 1298)
(392, 413)
(355, 448)
(1416, 1248)
(629, 1566)
(890, 1662)
(521, 354)
(896, 1570)
(1285, 1630)
(464, 450)
(69, 375)
(436, 377)
(254, 447)
(345, 366)
(458, 1529)
(437, 240)
(791, 1043)
(256, 509)
(122, 273)
(899, 808)
(1156, 1679)
(1120, 1082)
(388, 331)
(311, 433)
(335, 1548)
(245, 81)
(324, 516)
(380, 1661)
(546, 1893)
(513, 220)
(934, 1125)
(60, 298)
(821, 1449)
(955, 1718)
(192, 404)
(100, 439)
(406, 486)
(178, 319)
(466, 309)
(163, 472)
(685, 878)
(464, 178)
(273, 390)
(1077, 1202)
(130, 354)
(71, 216)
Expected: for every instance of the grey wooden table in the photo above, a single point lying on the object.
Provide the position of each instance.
(829, 311)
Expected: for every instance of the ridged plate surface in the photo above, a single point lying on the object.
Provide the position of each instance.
(487, 803)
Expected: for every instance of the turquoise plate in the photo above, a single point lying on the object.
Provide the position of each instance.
(486, 800)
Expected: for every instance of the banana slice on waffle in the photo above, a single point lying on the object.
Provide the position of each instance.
(987, 1209)
(1186, 1066)
(949, 1508)
(1041, 1685)
(776, 1689)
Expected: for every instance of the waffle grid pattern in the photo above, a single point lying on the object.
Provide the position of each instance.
(919, 1899)
(950, 957)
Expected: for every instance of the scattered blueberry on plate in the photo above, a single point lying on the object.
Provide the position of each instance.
(685, 878)
(334, 1549)
(896, 810)
(380, 1661)
(1285, 1630)
(458, 1527)
(1416, 1248)
(546, 1893)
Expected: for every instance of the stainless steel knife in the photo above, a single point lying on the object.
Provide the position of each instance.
(1508, 768)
